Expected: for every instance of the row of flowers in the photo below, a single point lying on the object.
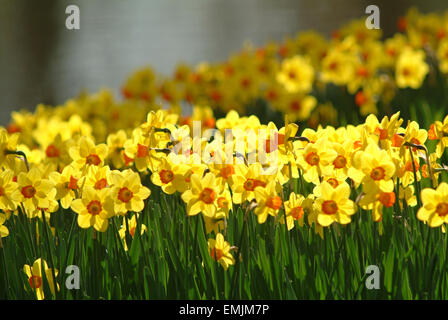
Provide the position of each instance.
(380, 160)
(97, 157)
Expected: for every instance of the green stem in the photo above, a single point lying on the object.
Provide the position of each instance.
(50, 254)
(240, 243)
(4, 266)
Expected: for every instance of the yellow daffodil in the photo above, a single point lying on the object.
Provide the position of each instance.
(34, 192)
(132, 223)
(128, 192)
(435, 205)
(94, 208)
(202, 196)
(316, 160)
(170, 177)
(220, 251)
(7, 188)
(85, 153)
(34, 274)
(333, 204)
(268, 201)
(295, 209)
(411, 68)
(67, 184)
(296, 74)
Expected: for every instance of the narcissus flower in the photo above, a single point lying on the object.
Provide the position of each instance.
(8, 142)
(316, 160)
(67, 185)
(97, 177)
(220, 251)
(333, 204)
(295, 209)
(171, 177)
(94, 209)
(115, 144)
(246, 181)
(435, 205)
(7, 187)
(268, 201)
(296, 74)
(202, 196)
(140, 149)
(132, 223)
(439, 131)
(34, 192)
(128, 192)
(411, 69)
(373, 168)
(4, 232)
(85, 153)
(35, 280)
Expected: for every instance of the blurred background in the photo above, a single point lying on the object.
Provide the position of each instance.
(43, 62)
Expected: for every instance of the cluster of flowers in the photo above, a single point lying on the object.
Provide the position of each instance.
(90, 154)
(67, 168)
(293, 76)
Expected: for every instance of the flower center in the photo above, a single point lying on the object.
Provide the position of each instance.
(280, 138)
(72, 184)
(357, 144)
(166, 176)
(93, 159)
(28, 191)
(227, 171)
(35, 282)
(329, 207)
(142, 151)
(339, 162)
(272, 95)
(360, 98)
(127, 160)
(268, 148)
(207, 195)
(333, 182)
(52, 151)
(406, 72)
(378, 173)
(295, 105)
(13, 128)
(387, 199)
(222, 202)
(362, 72)
(297, 213)
(312, 158)
(246, 83)
(210, 122)
(125, 195)
(410, 167)
(94, 207)
(132, 231)
(274, 202)
(100, 184)
(251, 184)
(442, 209)
(216, 254)
(382, 133)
